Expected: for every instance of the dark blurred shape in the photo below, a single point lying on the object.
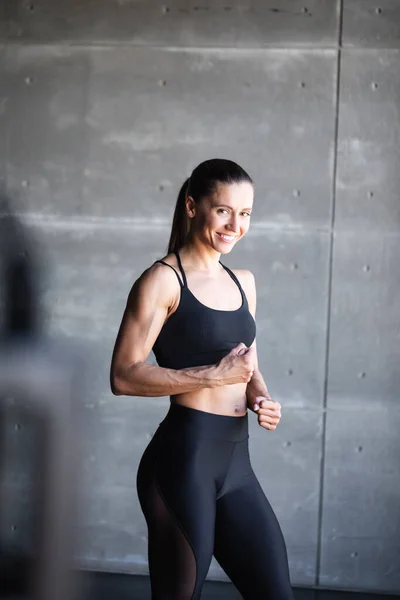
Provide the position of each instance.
(40, 382)
(21, 275)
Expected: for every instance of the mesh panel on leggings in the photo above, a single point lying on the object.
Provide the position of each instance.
(172, 562)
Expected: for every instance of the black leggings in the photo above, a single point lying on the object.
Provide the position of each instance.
(200, 496)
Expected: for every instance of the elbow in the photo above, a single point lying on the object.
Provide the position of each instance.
(115, 390)
(121, 384)
(116, 385)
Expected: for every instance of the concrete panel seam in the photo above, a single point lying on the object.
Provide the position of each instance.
(317, 48)
(328, 309)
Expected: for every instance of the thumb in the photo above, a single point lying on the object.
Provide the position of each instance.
(256, 404)
(240, 349)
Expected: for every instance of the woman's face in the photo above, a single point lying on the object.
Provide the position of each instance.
(223, 218)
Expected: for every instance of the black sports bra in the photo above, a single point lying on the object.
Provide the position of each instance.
(196, 335)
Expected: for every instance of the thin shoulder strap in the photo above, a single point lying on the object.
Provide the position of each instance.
(180, 267)
(171, 267)
(235, 279)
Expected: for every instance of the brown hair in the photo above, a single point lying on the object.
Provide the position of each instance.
(200, 184)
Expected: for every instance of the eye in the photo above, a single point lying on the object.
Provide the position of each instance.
(247, 213)
(222, 210)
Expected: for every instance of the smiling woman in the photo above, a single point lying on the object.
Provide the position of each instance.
(219, 193)
(195, 483)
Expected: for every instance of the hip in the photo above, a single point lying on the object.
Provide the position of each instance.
(192, 447)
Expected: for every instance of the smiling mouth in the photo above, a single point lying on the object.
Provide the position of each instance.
(226, 238)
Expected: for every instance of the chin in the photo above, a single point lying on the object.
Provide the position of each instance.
(225, 248)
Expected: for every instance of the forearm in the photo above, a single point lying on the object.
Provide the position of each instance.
(143, 379)
(256, 386)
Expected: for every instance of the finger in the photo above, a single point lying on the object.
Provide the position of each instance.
(268, 414)
(269, 405)
(269, 423)
(272, 410)
(271, 420)
(268, 397)
(267, 426)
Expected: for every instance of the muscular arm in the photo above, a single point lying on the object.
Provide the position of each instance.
(143, 379)
(147, 307)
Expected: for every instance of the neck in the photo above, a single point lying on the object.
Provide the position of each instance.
(200, 258)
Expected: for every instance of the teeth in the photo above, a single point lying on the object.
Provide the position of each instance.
(228, 238)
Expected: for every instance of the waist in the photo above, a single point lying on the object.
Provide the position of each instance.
(223, 400)
(181, 419)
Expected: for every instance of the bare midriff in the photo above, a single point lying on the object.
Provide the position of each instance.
(226, 400)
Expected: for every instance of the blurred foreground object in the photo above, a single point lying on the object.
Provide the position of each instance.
(40, 384)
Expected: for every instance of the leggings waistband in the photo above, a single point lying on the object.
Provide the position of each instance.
(205, 424)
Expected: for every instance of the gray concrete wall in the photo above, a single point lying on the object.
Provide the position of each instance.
(105, 108)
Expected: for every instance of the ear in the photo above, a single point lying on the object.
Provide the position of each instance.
(190, 205)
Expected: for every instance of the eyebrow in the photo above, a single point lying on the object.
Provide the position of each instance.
(227, 206)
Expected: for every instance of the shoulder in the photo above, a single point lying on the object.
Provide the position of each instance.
(246, 278)
(160, 273)
(157, 283)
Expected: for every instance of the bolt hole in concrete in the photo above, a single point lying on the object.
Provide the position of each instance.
(378, 11)
(374, 86)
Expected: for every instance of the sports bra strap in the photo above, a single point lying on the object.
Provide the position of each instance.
(171, 267)
(233, 276)
(235, 279)
(180, 267)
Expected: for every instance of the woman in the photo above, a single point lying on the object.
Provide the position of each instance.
(195, 483)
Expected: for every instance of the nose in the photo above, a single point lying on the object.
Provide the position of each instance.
(234, 223)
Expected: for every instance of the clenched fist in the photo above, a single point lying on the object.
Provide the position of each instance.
(268, 412)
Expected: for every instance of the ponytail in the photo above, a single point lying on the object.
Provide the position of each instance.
(200, 184)
(180, 223)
